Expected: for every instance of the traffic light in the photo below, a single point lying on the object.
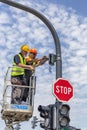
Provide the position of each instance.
(73, 128)
(64, 116)
(44, 113)
(70, 128)
(54, 117)
(52, 59)
(66, 128)
(49, 115)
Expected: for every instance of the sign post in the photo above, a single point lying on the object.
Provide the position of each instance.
(63, 90)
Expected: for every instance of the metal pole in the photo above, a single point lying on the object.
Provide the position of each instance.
(56, 41)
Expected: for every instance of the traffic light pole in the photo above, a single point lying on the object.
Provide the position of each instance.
(56, 41)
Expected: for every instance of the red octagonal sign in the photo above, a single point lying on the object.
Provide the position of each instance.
(63, 90)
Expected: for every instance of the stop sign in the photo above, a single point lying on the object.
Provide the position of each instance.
(62, 89)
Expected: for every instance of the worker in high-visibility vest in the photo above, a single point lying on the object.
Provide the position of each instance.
(32, 60)
(18, 71)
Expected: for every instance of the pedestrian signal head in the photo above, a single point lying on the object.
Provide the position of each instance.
(25, 48)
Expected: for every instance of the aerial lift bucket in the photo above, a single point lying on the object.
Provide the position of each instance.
(18, 111)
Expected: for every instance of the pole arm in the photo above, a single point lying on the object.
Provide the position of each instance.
(49, 25)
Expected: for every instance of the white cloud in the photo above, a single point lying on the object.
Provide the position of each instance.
(4, 18)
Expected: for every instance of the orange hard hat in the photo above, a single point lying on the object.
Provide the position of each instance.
(33, 50)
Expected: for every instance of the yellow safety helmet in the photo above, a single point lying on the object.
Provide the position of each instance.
(25, 48)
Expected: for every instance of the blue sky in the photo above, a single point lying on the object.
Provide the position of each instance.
(70, 21)
(79, 6)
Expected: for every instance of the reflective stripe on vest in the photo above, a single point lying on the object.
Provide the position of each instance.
(18, 71)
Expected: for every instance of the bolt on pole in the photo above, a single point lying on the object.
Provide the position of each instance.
(56, 41)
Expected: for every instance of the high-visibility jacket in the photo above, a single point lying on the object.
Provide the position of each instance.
(28, 59)
(28, 73)
(16, 71)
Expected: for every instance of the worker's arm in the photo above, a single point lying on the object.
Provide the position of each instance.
(19, 64)
(30, 61)
(41, 61)
(25, 66)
